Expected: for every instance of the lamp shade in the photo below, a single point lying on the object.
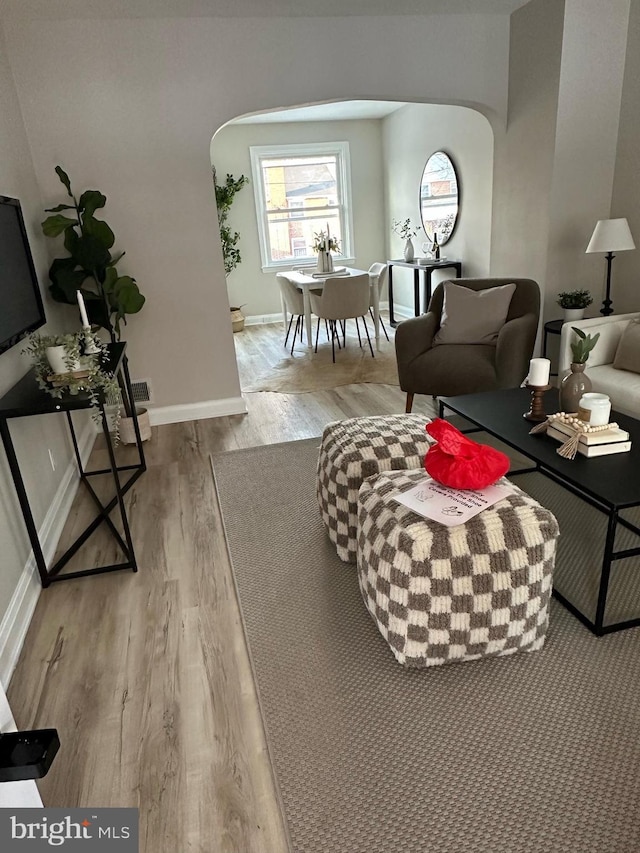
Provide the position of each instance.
(611, 235)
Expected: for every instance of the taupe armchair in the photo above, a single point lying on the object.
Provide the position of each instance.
(450, 369)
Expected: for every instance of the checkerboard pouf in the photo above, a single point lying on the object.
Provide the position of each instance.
(357, 448)
(441, 594)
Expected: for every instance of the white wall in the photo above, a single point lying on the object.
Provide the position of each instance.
(625, 289)
(411, 135)
(130, 106)
(248, 285)
(557, 159)
(586, 138)
(525, 155)
(33, 437)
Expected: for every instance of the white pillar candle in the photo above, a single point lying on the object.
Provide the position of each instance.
(83, 310)
(539, 369)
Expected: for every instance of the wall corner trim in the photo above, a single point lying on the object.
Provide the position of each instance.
(197, 411)
(16, 620)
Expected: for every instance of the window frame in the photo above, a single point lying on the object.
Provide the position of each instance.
(345, 206)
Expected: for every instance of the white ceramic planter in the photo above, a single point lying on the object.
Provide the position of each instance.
(409, 253)
(572, 314)
(57, 362)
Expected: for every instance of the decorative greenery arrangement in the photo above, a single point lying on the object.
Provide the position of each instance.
(225, 194)
(583, 346)
(90, 267)
(92, 378)
(574, 299)
(322, 241)
(404, 229)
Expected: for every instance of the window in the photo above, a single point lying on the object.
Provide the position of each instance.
(301, 190)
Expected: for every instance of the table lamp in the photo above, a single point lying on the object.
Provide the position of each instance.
(610, 235)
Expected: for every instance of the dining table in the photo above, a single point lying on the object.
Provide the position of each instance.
(308, 280)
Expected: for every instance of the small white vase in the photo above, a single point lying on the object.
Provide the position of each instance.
(408, 251)
(56, 356)
(571, 314)
(325, 264)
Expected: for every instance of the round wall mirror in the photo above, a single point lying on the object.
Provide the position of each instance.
(439, 200)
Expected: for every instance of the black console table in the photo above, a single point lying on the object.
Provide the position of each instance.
(427, 270)
(26, 399)
(552, 327)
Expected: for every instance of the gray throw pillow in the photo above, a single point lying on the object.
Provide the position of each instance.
(473, 316)
(627, 355)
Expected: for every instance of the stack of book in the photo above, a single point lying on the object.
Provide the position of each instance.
(612, 440)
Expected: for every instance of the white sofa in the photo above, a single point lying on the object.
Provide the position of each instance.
(622, 386)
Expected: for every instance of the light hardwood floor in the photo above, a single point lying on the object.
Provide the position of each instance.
(146, 676)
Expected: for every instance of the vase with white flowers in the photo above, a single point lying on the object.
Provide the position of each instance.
(406, 230)
(324, 244)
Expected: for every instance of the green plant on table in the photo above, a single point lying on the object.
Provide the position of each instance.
(90, 267)
(100, 385)
(574, 299)
(581, 348)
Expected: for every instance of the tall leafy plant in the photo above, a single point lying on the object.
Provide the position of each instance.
(225, 193)
(90, 266)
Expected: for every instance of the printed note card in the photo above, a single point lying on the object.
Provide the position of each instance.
(451, 506)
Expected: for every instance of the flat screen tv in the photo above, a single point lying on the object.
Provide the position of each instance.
(21, 308)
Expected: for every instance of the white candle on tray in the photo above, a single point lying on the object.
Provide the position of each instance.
(539, 369)
(83, 310)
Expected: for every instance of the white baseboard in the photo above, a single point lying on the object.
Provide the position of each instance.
(14, 625)
(403, 311)
(263, 319)
(197, 411)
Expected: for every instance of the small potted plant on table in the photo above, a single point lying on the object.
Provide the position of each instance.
(577, 383)
(573, 304)
(63, 365)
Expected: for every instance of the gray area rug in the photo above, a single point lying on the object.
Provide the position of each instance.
(536, 753)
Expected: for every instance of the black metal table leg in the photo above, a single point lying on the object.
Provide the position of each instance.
(119, 494)
(24, 502)
(134, 414)
(416, 292)
(606, 571)
(392, 319)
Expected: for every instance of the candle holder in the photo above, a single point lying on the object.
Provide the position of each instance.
(90, 347)
(536, 408)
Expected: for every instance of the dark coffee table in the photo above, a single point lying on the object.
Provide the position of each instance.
(609, 483)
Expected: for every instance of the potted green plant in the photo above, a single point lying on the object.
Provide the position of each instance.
(63, 365)
(89, 265)
(576, 383)
(573, 303)
(225, 194)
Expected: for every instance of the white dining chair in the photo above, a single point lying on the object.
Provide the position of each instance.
(342, 299)
(294, 304)
(378, 276)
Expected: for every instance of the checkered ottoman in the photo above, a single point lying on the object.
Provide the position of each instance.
(441, 594)
(357, 448)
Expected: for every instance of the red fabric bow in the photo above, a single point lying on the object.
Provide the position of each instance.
(460, 463)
